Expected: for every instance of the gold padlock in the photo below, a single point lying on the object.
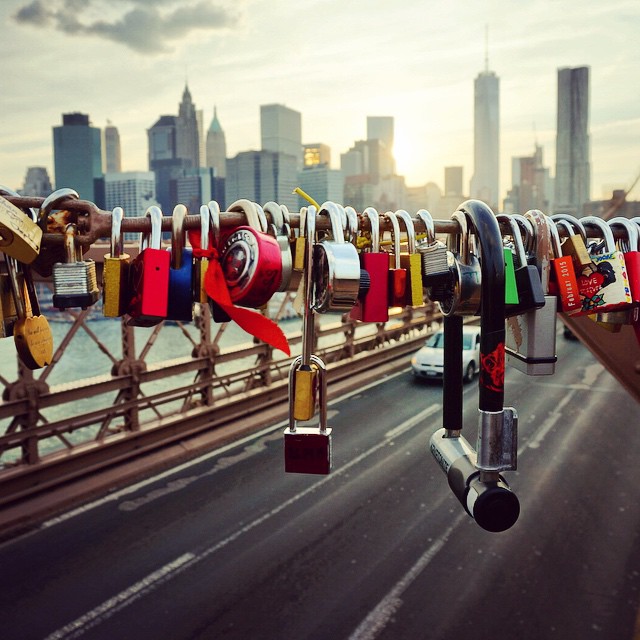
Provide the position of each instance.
(574, 244)
(31, 332)
(298, 258)
(20, 236)
(412, 262)
(115, 271)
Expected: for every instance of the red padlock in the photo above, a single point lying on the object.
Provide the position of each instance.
(150, 276)
(631, 252)
(563, 282)
(251, 260)
(373, 305)
(397, 275)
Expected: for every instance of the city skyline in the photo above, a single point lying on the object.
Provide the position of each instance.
(419, 69)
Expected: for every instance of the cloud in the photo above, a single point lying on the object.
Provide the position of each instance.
(143, 27)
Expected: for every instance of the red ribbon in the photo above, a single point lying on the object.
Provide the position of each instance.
(215, 285)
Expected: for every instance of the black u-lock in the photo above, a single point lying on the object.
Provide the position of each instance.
(474, 475)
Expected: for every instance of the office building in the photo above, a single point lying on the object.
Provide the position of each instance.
(37, 183)
(216, 147)
(281, 131)
(453, 181)
(134, 191)
(532, 187)
(261, 176)
(112, 155)
(322, 183)
(382, 128)
(195, 187)
(316, 153)
(187, 132)
(485, 182)
(573, 169)
(77, 154)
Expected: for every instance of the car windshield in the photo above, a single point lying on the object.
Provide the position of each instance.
(436, 341)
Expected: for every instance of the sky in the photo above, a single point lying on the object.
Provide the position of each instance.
(334, 61)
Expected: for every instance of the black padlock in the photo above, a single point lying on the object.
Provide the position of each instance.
(528, 283)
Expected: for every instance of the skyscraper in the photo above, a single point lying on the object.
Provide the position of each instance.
(187, 131)
(382, 128)
(573, 169)
(216, 147)
(261, 176)
(281, 131)
(485, 182)
(37, 183)
(77, 154)
(112, 156)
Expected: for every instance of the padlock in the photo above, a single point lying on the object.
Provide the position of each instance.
(298, 253)
(8, 311)
(397, 276)
(281, 231)
(251, 260)
(462, 296)
(31, 331)
(563, 281)
(150, 276)
(412, 262)
(115, 271)
(75, 282)
(20, 236)
(200, 264)
(575, 244)
(336, 268)
(303, 387)
(527, 278)
(308, 449)
(510, 287)
(631, 252)
(372, 303)
(530, 338)
(434, 255)
(603, 284)
(180, 300)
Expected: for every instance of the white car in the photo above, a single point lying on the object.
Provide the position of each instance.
(429, 361)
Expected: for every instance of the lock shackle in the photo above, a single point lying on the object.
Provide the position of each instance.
(52, 201)
(117, 241)
(12, 271)
(410, 229)
(277, 219)
(177, 235)
(374, 221)
(575, 222)
(632, 241)
(542, 227)
(205, 226)
(251, 213)
(526, 227)
(429, 224)
(395, 236)
(152, 239)
(458, 243)
(262, 218)
(516, 235)
(307, 287)
(214, 219)
(333, 211)
(352, 224)
(70, 250)
(605, 229)
(556, 245)
(492, 309)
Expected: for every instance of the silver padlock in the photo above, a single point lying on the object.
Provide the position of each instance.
(433, 253)
(308, 449)
(75, 283)
(462, 296)
(497, 443)
(336, 268)
(530, 338)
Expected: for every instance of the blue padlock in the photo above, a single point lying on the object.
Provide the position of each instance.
(180, 305)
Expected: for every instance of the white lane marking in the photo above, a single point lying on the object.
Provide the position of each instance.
(117, 495)
(88, 620)
(379, 617)
(105, 610)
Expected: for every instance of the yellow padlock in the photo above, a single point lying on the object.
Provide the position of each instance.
(412, 262)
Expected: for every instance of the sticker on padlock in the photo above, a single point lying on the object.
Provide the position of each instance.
(115, 271)
(412, 262)
(603, 284)
(307, 449)
(563, 281)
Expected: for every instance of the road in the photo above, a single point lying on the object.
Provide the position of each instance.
(229, 546)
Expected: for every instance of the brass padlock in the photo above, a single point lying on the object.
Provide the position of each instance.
(115, 271)
(574, 245)
(20, 236)
(412, 262)
(308, 449)
(31, 332)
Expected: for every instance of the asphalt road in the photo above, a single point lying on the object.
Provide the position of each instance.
(230, 546)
